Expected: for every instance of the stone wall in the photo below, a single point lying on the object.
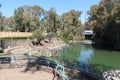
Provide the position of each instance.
(7, 43)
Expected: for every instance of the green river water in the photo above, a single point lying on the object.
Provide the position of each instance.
(88, 55)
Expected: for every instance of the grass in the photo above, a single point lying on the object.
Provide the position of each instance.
(1, 51)
(65, 38)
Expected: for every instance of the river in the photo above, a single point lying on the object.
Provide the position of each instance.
(97, 58)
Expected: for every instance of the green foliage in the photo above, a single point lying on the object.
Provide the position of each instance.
(1, 50)
(27, 19)
(105, 19)
(53, 20)
(71, 36)
(71, 18)
(30, 18)
(2, 23)
(38, 34)
(18, 14)
(72, 24)
(51, 35)
(0, 12)
(65, 36)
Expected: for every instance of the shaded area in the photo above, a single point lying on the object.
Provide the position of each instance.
(18, 73)
(37, 62)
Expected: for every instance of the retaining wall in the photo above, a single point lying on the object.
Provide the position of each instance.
(7, 43)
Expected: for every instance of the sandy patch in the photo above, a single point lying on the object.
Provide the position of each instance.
(19, 74)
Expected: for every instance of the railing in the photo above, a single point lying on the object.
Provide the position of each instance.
(12, 61)
(46, 61)
(84, 69)
(51, 63)
(60, 71)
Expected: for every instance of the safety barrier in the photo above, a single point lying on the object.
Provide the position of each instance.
(47, 61)
(15, 60)
(50, 63)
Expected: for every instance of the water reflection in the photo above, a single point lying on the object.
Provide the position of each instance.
(86, 54)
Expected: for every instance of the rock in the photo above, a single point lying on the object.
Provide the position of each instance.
(112, 75)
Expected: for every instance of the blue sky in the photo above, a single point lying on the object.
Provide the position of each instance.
(61, 6)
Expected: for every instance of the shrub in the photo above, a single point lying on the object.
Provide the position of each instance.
(1, 50)
(38, 34)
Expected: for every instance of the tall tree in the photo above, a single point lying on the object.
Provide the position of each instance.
(18, 14)
(106, 20)
(10, 23)
(28, 18)
(2, 23)
(0, 11)
(52, 20)
(71, 22)
(37, 13)
(71, 18)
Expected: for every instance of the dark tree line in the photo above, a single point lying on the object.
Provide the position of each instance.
(105, 21)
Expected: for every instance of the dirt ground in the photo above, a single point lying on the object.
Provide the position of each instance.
(20, 74)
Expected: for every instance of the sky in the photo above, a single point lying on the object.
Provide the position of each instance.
(61, 6)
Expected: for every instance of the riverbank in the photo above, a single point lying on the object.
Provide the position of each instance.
(80, 52)
(46, 49)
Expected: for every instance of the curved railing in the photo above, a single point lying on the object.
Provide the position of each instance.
(91, 71)
(50, 63)
(47, 61)
(60, 71)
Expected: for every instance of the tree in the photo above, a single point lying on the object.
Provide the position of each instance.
(38, 34)
(28, 18)
(26, 21)
(10, 24)
(72, 24)
(52, 20)
(0, 12)
(105, 20)
(37, 13)
(18, 14)
(2, 23)
(71, 18)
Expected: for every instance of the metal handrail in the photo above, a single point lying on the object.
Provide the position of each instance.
(56, 64)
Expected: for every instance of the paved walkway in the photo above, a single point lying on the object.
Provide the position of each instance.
(19, 74)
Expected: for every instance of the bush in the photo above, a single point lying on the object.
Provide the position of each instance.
(51, 35)
(65, 38)
(71, 36)
(1, 50)
(38, 34)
